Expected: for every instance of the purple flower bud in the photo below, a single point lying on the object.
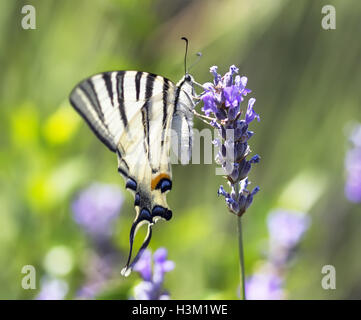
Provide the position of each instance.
(223, 192)
(221, 114)
(217, 77)
(231, 96)
(250, 197)
(255, 159)
(240, 149)
(228, 77)
(251, 114)
(249, 134)
(232, 113)
(240, 82)
(209, 103)
(233, 69)
(235, 172)
(244, 168)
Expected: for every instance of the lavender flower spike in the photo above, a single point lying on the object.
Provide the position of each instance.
(151, 288)
(265, 285)
(286, 229)
(223, 99)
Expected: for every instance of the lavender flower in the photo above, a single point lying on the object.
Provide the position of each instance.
(353, 167)
(96, 207)
(223, 98)
(151, 288)
(286, 229)
(144, 266)
(95, 210)
(52, 289)
(265, 284)
(98, 272)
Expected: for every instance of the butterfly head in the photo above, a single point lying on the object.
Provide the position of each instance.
(188, 78)
(186, 85)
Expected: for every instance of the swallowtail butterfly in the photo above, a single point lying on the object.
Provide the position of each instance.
(132, 113)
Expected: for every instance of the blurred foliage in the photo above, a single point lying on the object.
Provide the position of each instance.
(307, 84)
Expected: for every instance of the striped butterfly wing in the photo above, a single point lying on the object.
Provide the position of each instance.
(131, 113)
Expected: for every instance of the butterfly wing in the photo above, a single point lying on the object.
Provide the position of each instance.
(131, 113)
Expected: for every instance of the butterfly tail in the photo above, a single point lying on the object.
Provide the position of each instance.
(129, 266)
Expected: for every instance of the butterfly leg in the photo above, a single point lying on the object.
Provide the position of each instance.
(203, 117)
(198, 85)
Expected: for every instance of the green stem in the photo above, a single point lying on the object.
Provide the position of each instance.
(241, 260)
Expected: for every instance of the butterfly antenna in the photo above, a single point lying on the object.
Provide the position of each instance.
(199, 56)
(185, 55)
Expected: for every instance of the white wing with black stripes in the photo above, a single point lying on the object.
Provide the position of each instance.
(132, 113)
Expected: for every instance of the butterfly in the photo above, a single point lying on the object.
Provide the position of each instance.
(134, 113)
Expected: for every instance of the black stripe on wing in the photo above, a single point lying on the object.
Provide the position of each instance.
(138, 76)
(177, 94)
(165, 106)
(123, 167)
(89, 90)
(108, 85)
(120, 86)
(146, 110)
(82, 107)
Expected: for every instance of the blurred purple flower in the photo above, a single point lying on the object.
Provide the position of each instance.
(98, 271)
(353, 167)
(96, 207)
(144, 266)
(151, 288)
(52, 289)
(355, 136)
(161, 265)
(264, 285)
(286, 228)
(223, 98)
(147, 290)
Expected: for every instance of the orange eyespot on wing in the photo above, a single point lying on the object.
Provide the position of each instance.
(161, 181)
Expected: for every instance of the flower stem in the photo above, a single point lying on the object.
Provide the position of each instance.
(241, 260)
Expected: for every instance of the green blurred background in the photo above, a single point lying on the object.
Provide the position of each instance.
(307, 84)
